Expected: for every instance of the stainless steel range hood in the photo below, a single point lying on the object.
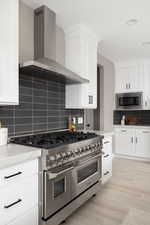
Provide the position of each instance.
(44, 64)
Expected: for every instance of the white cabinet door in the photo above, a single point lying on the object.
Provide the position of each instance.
(136, 78)
(142, 143)
(9, 52)
(122, 79)
(129, 77)
(124, 141)
(146, 69)
(30, 218)
(81, 57)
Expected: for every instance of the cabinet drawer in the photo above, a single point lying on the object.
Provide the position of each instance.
(107, 164)
(107, 171)
(30, 218)
(18, 198)
(107, 145)
(18, 172)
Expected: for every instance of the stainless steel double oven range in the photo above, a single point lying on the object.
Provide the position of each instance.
(70, 172)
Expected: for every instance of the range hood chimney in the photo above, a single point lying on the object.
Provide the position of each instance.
(44, 64)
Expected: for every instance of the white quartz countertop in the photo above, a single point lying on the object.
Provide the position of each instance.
(12, 154)
(132, 126)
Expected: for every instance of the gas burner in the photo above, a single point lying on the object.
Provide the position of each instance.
(52, 140)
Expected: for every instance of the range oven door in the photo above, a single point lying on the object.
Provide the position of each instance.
(86, 174)
(56, 190)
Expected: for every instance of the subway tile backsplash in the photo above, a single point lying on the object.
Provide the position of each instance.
(41, 108)
(142, 116)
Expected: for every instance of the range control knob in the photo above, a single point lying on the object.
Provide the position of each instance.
(58, 156)
(64, 155)
(76, 151)
(52, 158)
(79, 150)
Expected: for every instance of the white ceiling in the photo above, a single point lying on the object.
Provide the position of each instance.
(108, 19)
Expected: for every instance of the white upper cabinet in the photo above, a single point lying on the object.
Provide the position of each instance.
(9, 52)
(81, 58)
(129, 77)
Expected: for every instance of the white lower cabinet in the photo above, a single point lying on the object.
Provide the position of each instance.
(133, 141)
(29, 218)
(19, 194)
(107, 160)
(142, 143)
(124, 141)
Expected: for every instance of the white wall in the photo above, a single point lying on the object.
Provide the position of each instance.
(107, 84)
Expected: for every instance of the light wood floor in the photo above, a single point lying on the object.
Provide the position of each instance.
(125, 200)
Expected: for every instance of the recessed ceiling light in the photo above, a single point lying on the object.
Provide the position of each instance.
(146, 43)
(132, 22)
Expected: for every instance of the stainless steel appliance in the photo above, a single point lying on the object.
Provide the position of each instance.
(44, 64)
(70, 171)
(128, 101)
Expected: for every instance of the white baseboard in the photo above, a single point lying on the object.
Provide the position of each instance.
(130, 157)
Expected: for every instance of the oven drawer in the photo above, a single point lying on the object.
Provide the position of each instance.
(18, 173)
(16, 199)
(85, 175)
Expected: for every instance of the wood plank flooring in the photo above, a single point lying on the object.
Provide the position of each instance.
(125, 200)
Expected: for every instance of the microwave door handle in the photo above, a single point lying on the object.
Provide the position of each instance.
(52, 175)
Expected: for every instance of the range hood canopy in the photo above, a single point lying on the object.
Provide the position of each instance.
(44, 64)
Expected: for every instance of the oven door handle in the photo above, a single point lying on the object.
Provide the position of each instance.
(91, 159)
(55, 175)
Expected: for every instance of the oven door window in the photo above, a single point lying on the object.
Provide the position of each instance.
(129, 101)
(87, 171)
(59, 187)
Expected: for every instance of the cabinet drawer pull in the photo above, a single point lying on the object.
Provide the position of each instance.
(106, 142)
(123, 130)
(13, 175)
(105, 156)
(146, 132)
(132, 140)
(12, 204)
(106, 173)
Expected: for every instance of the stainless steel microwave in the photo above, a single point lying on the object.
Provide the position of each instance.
(126, 101)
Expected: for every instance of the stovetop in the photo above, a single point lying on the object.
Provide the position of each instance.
(52, 140)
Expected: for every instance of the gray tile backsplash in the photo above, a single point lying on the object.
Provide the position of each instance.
(41, 108)
(143, 116)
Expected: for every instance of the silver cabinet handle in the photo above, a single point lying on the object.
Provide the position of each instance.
(129, 85)
(145, 103)
(106, 142)
(106, 173)
(132, 140)
(106, 156)
(136, 140)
